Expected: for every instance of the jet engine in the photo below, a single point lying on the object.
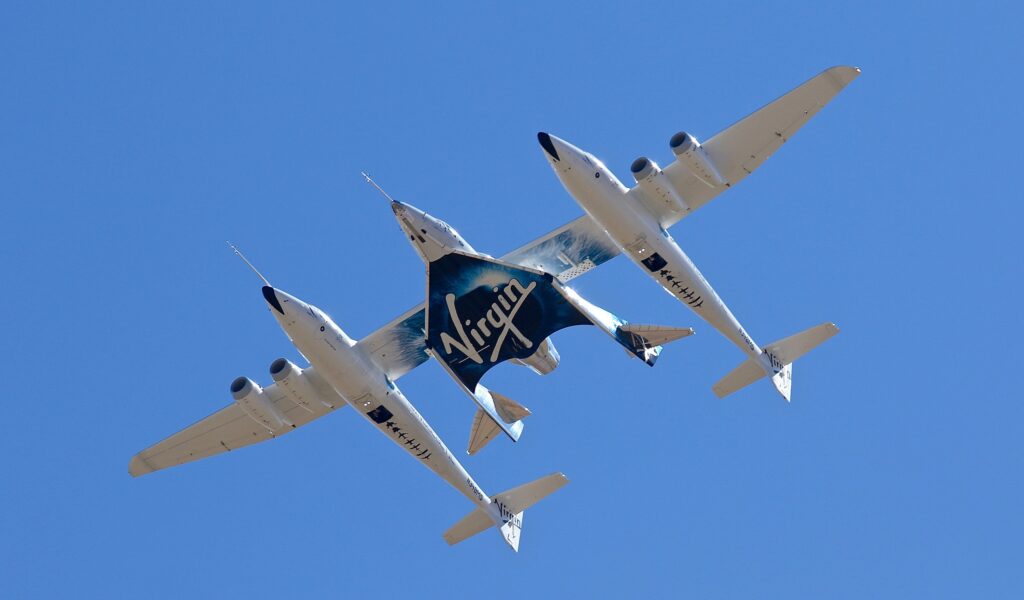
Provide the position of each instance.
(250, 397)
(656, 185)
(691, 155)
(544, 360)
(295, 384)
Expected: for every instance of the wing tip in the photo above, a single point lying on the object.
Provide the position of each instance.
(844, 74)
(138, 466)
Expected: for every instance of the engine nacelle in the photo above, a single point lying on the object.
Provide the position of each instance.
(249, 396)
(296, 385)
(544, 360)
(656, 185)
(691, 154)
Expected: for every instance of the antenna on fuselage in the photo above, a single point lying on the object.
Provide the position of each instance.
(246, 261)
(379, 189)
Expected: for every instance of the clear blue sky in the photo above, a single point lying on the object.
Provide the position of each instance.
(136, 137)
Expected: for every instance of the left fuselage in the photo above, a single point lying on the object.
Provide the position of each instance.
(641, 238)
(368, 390)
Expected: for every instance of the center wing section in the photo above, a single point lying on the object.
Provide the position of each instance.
(566, 252)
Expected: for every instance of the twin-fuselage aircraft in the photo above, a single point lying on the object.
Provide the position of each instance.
(482, 311)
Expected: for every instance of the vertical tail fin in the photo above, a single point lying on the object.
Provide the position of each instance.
(783, 381)
(506, 511)
(778, 362)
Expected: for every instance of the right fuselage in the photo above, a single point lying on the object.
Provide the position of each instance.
(641, 238)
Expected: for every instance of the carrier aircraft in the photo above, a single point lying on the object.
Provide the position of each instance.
(636, 220)
(618, 219)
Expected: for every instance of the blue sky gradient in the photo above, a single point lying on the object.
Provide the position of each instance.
(135, 138)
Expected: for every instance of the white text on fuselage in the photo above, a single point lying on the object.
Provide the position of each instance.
(497, 320)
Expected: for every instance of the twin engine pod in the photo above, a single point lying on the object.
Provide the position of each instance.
(296, 384)
(254, 402)
(656, 185)
(692, 155)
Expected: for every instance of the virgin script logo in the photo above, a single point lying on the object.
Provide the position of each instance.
(497, 321)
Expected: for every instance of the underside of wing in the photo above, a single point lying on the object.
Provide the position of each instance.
(739, 149)
(743, 146)
(399, 346)
(567, 252)
(232, 427)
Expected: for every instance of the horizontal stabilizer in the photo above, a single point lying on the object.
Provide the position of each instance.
(470, 525)
(523, 497)
(778, 359)
(747, 373)
(657, 335)
(508, 409)
(486, 428)
(788, 350)
(506, 511)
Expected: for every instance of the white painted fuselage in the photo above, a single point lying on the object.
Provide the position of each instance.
(640, 237)
(369, 391)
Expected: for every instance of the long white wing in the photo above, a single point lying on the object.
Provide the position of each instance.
(740, 148)
(230, 428)
(567, 252)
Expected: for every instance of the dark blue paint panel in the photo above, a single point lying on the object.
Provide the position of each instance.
(484, 312)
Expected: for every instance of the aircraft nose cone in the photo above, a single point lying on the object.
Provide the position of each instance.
(547, 144)
(271, 298)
